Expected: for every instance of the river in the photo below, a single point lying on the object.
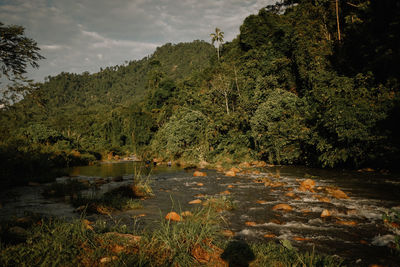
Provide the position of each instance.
(354, 230)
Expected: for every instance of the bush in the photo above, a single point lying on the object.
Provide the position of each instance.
(279, 127)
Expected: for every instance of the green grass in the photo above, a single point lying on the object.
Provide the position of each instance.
(220, 203)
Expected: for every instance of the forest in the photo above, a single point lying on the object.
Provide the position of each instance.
(309, 82)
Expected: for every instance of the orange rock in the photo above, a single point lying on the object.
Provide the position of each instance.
(230, 173)
(199, 173)
(366, 170)
(230, 186)
(348, 223)
(336, 193)
(226, 192)
(87, 224)
(196, 201)
(289, 189)
(305, 211)
(186, 213)
(269, 235)
(228, 233)
(173, 216)
(307, 184)
(259, 164)
(251, 223)
(200, 184)
(284, 207)
(290, 194)
(363, 242)
(351, 212)
(256, 172)
(275, 221)
(299, 238)
(322, 199)
(325, 213)
(276, 184)
(244, 165)
(200, 195)
(108, 259)
(261, 202)
(234, 169)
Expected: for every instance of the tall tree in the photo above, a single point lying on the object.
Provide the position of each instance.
(16, 52)
(218, 37)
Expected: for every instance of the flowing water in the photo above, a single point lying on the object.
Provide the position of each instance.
(355, 230)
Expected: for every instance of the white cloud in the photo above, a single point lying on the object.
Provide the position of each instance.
(69, 32)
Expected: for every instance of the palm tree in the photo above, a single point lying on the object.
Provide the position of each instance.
(218, 37)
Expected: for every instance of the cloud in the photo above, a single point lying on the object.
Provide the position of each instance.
(84, 35)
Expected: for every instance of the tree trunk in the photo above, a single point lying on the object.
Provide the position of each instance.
(337, 19)
(226, 102)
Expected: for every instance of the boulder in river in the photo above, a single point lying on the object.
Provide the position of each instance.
(230, 173)
(325, 213)
(336, 193)
(284, 207)
(199, 174)
(307, 185)
(234, 169)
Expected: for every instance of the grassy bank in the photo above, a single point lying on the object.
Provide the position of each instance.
(196, 240)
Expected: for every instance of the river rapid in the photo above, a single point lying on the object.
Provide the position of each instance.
(354, 229)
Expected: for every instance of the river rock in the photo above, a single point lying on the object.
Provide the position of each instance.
(200, 184)
(284, 207)
(348, 223)
(234, 169)
(269, 235)
(255, 172)
(173, 216)
(228, 233)
(261, 202)
(322, 199)
(200, 195)
(196, 201)
(325, 213)
(307, 185)
(251, 223)
(199, 174)
(290, 194)
(336, 193)
(230, 186)
(244, 165)
(226, 192)
(230, 173)
(299, 238)
(259, 164)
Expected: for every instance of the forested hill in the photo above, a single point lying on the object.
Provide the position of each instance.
(305, 82)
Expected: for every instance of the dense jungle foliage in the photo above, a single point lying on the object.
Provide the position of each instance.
(305, 82)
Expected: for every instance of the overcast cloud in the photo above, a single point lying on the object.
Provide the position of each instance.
(84, 35)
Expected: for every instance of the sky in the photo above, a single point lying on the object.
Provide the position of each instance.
(84, 35)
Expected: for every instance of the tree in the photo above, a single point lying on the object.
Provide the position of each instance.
(218, 37)
(16, 52)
